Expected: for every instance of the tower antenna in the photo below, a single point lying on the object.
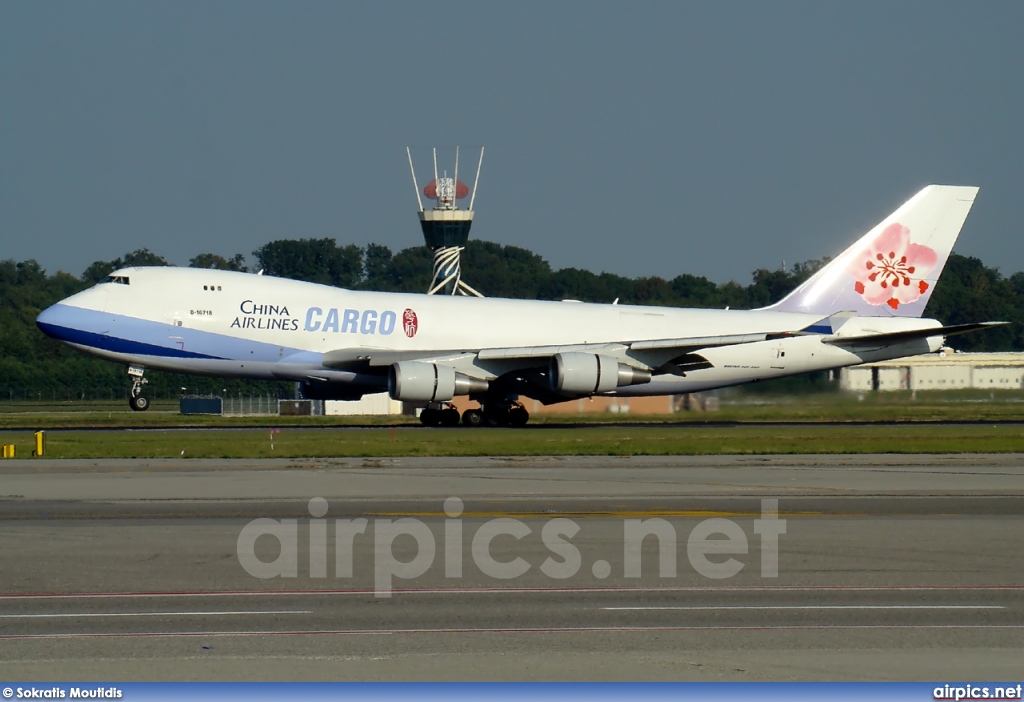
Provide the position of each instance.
(419, 201)
(446, 227)
(472, 198)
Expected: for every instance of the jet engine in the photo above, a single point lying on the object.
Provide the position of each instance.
(588, 373)
(415, 381)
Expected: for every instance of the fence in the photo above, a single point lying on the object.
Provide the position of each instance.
(65, 394)
(118, 393)
(93, 398)
(250, 405)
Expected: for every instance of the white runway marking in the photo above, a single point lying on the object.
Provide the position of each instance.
(521, 590)
(151, 614)
(717, 607)
(515, 630)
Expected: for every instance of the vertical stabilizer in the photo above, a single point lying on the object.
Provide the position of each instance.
(891, 270)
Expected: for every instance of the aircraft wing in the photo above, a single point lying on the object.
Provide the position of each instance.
(653, 353)
(682, 345)
(661, 356)
(552, 373)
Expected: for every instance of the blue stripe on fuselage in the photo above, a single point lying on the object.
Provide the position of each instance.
(130, 335)
(114, 344)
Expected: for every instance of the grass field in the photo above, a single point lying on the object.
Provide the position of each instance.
(873, 423)
(969, 406)
(531, 441)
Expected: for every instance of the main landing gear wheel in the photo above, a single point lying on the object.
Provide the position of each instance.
(445, 416)
(511, 414)
(473, 418)
(518, 416)
(139, 403)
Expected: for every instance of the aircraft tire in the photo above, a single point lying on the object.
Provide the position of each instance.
(473, 418)
(139, 403)
(518, 417)
(449, 417)
(430, 417)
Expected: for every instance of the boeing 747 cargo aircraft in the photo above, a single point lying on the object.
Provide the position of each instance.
(864, 306)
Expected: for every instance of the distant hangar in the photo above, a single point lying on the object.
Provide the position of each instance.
(943, 371)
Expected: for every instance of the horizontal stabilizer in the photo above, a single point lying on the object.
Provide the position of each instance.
(910, 335)
(830, 325)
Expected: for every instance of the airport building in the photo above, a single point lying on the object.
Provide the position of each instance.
(378, 404)
(942, 371)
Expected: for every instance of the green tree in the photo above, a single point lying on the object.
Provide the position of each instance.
(411, 269)
(99, 270)
(695, 291)
(378, 269)
(312, 260)
(209, 260)
(653, 291)
(503, 271)
(968, 291)
(572, 284)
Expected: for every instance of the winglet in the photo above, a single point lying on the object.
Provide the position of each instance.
(892, 270)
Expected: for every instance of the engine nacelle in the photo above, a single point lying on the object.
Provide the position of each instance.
(589, 373)
(414, 381)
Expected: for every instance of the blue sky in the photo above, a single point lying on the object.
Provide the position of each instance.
(643, 138)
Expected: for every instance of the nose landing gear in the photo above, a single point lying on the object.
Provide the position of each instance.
(137, 401)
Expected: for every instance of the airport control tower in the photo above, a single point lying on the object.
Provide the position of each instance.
(446, 227)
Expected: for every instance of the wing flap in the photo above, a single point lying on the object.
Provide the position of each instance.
(375, 358)
(696, 342)
(543, 351)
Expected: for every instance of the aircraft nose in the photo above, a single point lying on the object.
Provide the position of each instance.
(51, 321)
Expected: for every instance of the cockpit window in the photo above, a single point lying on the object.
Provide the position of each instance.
(118, 279)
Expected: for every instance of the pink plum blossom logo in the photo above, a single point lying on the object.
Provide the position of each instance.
(891, 269)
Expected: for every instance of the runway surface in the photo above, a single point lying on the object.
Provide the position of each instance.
(898, 568)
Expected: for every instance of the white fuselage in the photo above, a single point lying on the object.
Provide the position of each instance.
(243, 325)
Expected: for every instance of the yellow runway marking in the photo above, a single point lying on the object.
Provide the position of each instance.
(624, 514)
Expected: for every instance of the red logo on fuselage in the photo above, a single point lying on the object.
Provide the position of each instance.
(410, 323)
